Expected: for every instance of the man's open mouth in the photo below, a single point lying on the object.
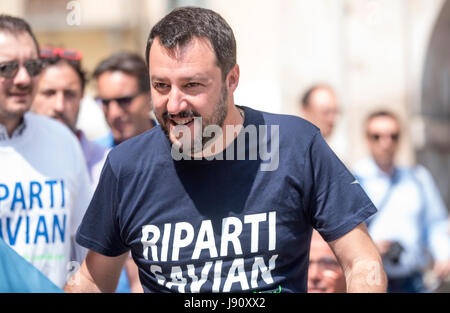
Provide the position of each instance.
(182, 121)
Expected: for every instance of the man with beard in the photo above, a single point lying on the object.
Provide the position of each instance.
(221, 220)
(44, 184)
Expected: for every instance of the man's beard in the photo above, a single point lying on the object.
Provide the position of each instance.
(217, 118)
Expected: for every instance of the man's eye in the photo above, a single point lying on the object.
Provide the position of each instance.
(48, 93)
(192, 85)
(70, 94)
(160, 86)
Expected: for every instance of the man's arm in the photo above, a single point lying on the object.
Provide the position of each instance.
(133, 276)
(360, 261)
(98, 273)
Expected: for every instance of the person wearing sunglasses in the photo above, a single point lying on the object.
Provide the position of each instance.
(44, 183)
(123, 89)
(59, 94)
(412, 217)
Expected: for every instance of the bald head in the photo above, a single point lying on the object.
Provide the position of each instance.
(320, 107)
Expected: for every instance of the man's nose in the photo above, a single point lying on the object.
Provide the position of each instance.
(176, 102)
(59, 103)
(22, 77)
(114, 110)
(314, 272)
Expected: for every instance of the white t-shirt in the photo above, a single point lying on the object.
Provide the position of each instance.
(44, 193)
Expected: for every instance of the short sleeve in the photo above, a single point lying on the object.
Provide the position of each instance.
(337, 201)
(99, 230)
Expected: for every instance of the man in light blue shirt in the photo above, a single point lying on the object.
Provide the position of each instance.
(411, 223)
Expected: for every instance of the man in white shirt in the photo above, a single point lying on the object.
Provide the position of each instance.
(44, 184)
(412, 218)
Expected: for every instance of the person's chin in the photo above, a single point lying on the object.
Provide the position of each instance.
(19, 105)
(317, 290)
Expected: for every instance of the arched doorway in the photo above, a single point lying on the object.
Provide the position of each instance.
(435, 108)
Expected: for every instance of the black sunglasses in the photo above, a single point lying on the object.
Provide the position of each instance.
(123, 102)
(376, 137)
(10, 69)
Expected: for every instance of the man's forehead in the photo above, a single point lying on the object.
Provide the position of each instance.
(382, 122)
(20, 40)
(59, 74)
(182, 52)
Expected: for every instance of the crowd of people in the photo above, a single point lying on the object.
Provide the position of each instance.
(137, 220)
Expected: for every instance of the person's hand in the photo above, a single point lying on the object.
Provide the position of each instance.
(383, 246)
(442, 269)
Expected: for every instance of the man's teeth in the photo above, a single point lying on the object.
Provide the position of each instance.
(182, 121)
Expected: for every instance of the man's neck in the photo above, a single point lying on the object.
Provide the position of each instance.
(386, 168)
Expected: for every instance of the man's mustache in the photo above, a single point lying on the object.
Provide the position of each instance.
(183, 114)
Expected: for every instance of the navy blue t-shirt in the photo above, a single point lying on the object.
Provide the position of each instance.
(240, 224)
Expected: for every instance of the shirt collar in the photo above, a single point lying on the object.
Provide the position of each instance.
(16, 133)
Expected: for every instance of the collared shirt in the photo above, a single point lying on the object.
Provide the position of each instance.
(44, 192)
(16, 133)
(411, 212)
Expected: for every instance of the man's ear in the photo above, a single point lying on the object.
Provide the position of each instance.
(233, 78)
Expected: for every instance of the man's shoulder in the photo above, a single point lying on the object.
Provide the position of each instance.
(290, 127)
(274, 118)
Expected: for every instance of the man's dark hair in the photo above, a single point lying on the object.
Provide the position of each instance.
(181, 25)
(306, 98)
(75, 65)
(129, 63)
(17, 26)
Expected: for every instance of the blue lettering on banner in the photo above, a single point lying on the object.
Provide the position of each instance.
(35, 228)
(35, 194)
(38, 194)
(51, 183)
(12, 239)
(18, 189)
(62, 195)
(57, 224)
(6, 192)
(39, 228)
(40, 232)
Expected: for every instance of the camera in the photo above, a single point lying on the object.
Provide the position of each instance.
(394, 252)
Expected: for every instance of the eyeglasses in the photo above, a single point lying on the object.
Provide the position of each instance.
(376, 137)
(325, 263)
(123, 102)
(10, 69)
(53, 52)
